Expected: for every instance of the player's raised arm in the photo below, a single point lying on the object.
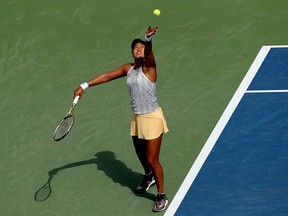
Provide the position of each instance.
(149, 67)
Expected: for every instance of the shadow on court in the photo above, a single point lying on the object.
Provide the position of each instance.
(106, 161)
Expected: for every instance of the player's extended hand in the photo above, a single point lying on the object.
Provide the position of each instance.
(78, 92)
(151, 31)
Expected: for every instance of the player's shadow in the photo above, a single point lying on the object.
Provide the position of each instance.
(115, 169)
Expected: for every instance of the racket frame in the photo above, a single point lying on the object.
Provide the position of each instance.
(68, 115)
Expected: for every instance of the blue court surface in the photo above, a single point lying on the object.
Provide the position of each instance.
(243, 167)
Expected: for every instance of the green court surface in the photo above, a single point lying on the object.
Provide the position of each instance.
(203, 50)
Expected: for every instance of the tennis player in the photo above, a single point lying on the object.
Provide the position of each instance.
(148, 123)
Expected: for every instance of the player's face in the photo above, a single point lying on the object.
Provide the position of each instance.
(138, 51)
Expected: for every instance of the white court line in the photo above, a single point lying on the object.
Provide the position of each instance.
(266, 91)
(186, 184)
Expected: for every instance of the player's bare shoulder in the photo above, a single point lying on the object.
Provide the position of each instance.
(126, 67)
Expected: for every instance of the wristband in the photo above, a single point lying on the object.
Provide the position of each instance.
(148, 38)
(84, 85)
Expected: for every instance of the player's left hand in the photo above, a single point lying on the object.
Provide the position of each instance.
(151, 31)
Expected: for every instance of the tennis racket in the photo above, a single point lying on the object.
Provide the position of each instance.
(67, 123)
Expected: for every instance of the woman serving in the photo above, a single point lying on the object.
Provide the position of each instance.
(148, 123)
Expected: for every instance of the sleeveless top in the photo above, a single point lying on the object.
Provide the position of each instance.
(142, 92)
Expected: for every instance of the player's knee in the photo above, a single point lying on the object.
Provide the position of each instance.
(153, 161)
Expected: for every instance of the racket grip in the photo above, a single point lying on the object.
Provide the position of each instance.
(76, 100)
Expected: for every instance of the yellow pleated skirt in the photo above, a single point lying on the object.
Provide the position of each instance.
(148, 126)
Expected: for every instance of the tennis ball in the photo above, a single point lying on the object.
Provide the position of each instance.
(157, 12)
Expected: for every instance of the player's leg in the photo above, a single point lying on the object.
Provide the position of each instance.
(153, 151)
(140, 149)
(148, 180)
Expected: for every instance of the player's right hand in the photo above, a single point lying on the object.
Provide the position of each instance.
(78, 92)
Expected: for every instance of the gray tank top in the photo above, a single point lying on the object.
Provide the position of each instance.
(142, 92)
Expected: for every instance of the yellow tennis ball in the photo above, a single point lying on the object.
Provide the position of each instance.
(157, 12)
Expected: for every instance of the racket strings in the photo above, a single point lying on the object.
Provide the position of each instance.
(66, 124)
(64, 127)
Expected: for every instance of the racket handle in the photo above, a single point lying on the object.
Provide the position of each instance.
(76, 100)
